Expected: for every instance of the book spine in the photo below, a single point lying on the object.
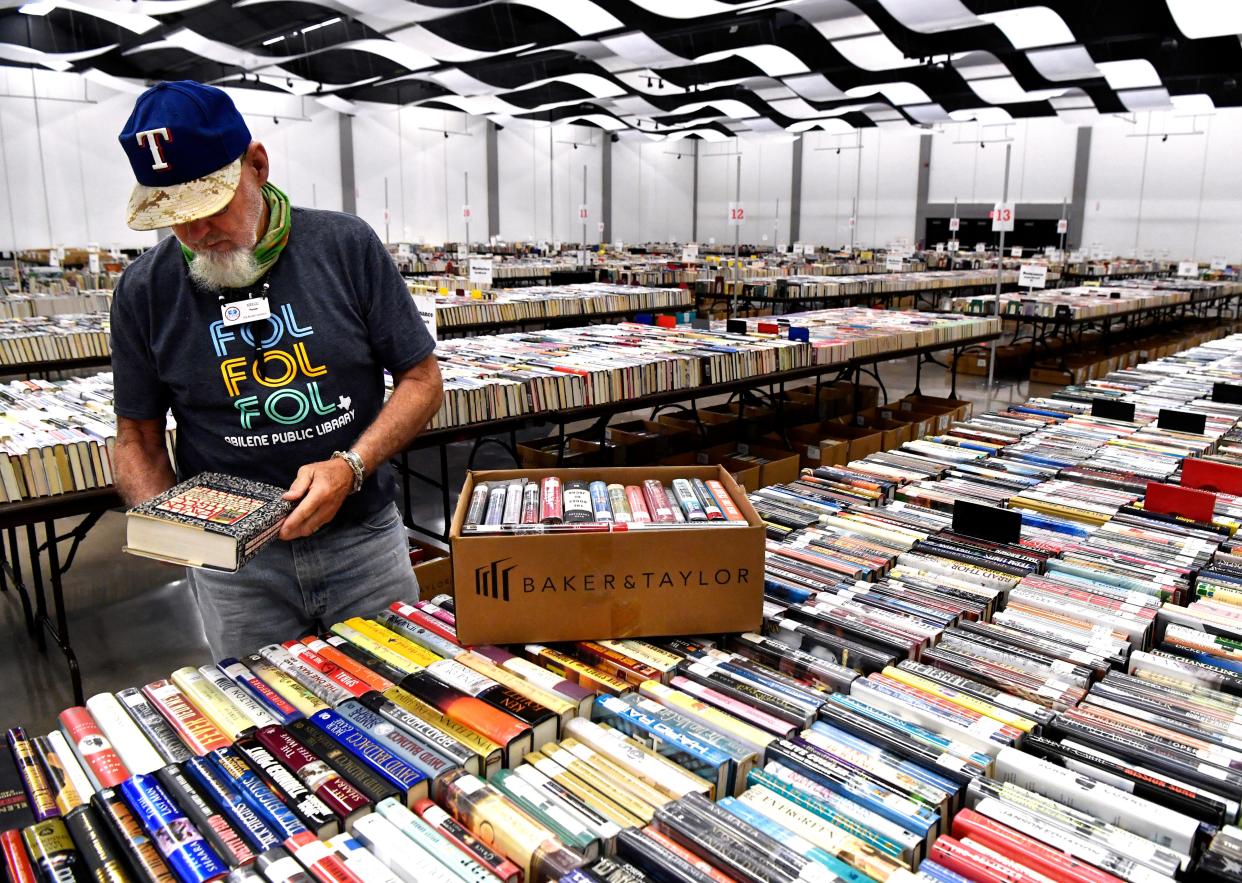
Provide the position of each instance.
(279, 816)
(316, 857)
(53, 852)
(397, 741)
(399, 853)
(103, 765)
(408, 779)
(256, 713)
(69, 763)
(244, 817)
(135, 750)
(214, 705)
(145, 859)
(194, 728)
(42, 795)
(212, 824)
(183, 846)
(459, 836)
(162, 736)
(16, 860)
(288, 788)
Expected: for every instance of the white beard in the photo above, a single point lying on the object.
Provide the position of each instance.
(232, 269)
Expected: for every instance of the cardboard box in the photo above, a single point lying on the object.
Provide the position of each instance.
(921, 422)
(542, 453)
(782, 465)
(434, 572)
(746, 474)
(754, 421)
(642, 442)
(893, 433)
(691, 421)
(818, 444)
(832, 400)
(957, 409)
(582, 586)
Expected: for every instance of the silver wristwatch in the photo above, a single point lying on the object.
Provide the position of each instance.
(355, 464)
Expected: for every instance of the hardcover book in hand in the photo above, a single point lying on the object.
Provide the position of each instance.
(211, 520)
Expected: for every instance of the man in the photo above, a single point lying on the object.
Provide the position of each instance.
(266, 330)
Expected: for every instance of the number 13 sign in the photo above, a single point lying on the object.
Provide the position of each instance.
(1002, 216)
(737, 214)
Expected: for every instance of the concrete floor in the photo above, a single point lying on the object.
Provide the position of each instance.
(133, 620)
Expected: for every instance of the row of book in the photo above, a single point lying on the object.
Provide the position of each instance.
(810, 287)
(26, 305)
(510, 306)
(55, 338)
(1094, 302)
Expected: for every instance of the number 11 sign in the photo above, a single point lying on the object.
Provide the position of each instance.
(737, 214)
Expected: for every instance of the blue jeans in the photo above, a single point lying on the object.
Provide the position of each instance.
(346, 569)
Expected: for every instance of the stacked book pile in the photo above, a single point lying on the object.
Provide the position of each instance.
(508, 306)
(53, 338)
(817, 287)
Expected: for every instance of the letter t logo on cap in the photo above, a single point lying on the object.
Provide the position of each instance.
(151, 139)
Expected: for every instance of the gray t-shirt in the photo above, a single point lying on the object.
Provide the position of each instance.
(340, 315)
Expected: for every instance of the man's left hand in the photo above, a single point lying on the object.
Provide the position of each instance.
(322, 487)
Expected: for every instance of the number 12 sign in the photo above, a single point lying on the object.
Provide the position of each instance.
(737, 214)
(1002, 217)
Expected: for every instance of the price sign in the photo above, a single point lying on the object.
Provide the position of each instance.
(892, 263)
(711, 240)
(780, 248)
(481, 271)
(1033, 276)
(618, 245)
(940, 247)
(56, 256)
(600, 226)
(463, 251)
(689, 252)
(1015, 252)
(981, 248)
(465, 211)
(737, 214)
(1063, 225)
(1220, 264)
(853, 221)
(954, 245)
(1002, 216)
(583, 212)
(1188, 269)
(955, 224)
(426, 306)
(403, 249)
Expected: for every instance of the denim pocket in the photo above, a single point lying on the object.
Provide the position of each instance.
(382, 520)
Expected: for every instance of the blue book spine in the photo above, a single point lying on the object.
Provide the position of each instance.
(393, 769)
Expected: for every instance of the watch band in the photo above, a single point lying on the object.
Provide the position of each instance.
(355, 464)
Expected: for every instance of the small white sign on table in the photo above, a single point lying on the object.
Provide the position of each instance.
(463, 251)
(981, 248)
(1015, 252)
(1033, 276)
(1188, 269)
(893, 263)
(426, 306)
(481, 271)
(1220, 264)
(689, 252)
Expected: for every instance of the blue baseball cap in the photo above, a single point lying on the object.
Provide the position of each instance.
(185, 142)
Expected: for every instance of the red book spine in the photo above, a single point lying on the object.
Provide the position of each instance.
(638, 504)
(341, 797)
(426, 620)
(84, 734)
(357, 669)
(1053, 863)
(658, 505)
(316, 856)
(16, 861)
(550, 503)
(957, 856)
(331, 670)
(726, 502)
(439, 613)
(198, 733)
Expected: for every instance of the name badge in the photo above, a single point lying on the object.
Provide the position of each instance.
(239, 312)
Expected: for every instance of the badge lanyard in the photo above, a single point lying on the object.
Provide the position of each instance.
(250, 311)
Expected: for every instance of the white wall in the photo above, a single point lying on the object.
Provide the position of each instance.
(1041, 163)
(540, 186)
(767, 165)
(888, 185)
(652, 190)
(405, 152)
(1180, 197)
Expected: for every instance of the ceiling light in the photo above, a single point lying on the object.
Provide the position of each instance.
(270, 40)
(873, 52)
(930, 16)
(1063, 63)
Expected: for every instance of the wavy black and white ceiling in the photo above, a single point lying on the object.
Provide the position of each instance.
(711, 68)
